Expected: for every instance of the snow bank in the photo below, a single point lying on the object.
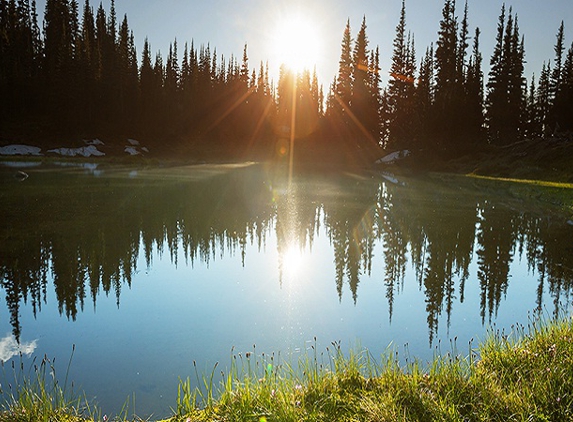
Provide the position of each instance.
(20, 150)
(93, 142)
(20, 164)
(132, 151)
(88, 151)
(135, 148)
(393, 157)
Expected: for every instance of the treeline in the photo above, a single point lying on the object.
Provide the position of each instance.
(83, 77)
(445, 102)
(80, 76)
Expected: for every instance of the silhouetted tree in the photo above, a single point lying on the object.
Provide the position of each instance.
(343, 88)
(506, 84)
(401, 89)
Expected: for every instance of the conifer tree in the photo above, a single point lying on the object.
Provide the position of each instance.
(424, 96)
(559, 115)
(474, 92)
(343, 88)
(543, 98)
(244, 75)
(506, 84)
(448, 101)
(360, 99)
(375, 95)
(564, 100)
(532, 127)
(401, 88)
(558, 63)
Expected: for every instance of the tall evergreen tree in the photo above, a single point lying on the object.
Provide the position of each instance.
(360, 99)
(543, 98)
(376, 96)
(449, 85)
(474, 92)
(506, 84)
(401, 88)
(564, 101)
(424, 95)
(558, 116)
(343, 88)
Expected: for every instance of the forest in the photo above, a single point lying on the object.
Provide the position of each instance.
(77, 74)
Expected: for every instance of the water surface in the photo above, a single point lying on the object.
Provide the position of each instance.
(147, 270)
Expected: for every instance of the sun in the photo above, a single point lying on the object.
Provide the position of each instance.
(296, 42)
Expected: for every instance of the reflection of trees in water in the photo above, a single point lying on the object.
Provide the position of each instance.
(88, 235)
(437, 227)
(496, 236)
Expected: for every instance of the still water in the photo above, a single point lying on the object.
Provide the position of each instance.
(147, 270)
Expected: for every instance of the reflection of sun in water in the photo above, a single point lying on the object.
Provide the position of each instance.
(292, 261)
(296, 42)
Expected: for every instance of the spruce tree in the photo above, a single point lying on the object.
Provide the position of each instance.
(506, 84)
(543, 98)
(424, 96)
(557, 119)
(449, 86)
(401, 88)
(343, 88)
(375, 95)
(474, 92)
(245, 68)
(360, 99)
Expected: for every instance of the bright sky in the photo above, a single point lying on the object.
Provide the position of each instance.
(229, 24)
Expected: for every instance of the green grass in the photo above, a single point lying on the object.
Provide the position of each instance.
(544, 183)
(524, 376)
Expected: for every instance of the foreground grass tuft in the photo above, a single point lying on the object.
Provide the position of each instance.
(524, 376)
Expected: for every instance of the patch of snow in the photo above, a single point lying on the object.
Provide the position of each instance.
(86, 166)
(19, 150)
(20, 164)
(393, 157)
(132, 151)
(392, 179)
(89, 168)
(133, 142)
(88, 151)
(93, 142)
(570, 222)
(144, 149)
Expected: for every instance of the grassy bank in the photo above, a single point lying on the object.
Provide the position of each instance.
(527, 375)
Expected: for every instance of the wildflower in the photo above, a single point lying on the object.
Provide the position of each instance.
(273, 392)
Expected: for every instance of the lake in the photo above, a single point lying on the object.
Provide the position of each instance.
(148, 272)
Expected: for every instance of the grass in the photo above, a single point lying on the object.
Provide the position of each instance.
(544, 183)
(524, 376)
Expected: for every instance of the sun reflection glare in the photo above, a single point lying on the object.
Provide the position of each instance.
(292, 260)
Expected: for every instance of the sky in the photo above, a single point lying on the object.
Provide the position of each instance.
(228, 25)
